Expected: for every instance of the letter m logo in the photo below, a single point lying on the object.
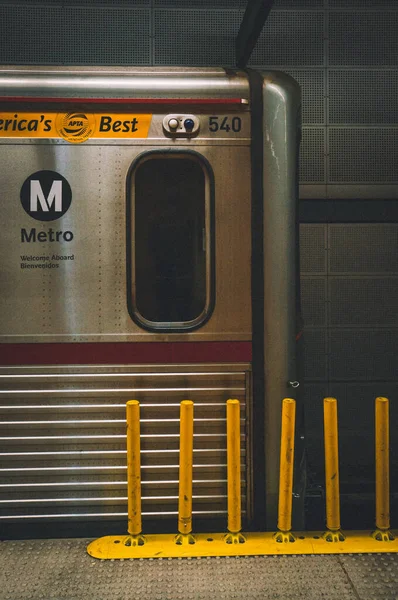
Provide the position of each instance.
(37, 197)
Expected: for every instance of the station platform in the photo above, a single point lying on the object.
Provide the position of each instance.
(61, 569)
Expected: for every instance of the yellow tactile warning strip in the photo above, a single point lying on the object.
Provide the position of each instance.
(256, 544)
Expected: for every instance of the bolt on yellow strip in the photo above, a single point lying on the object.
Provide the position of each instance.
(256, 544)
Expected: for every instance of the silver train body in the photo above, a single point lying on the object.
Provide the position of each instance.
(149, 252)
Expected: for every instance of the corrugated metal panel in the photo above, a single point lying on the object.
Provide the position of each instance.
(364, 301)
(77, 35)
(302, 4)
(363, 38)
(313, 299)
(363, 355)
(211, 35)
(363, 248)
(315, 354)
(312, 155)
(291, 38)
(363, 154)
(350, 4)
(204, 4)
(313, 253)
(62, 440)
(363, 97)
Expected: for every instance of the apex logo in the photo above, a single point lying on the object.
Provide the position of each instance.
(46, 195)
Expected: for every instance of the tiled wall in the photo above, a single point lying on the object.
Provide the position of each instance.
(342, 52)
(349, 275)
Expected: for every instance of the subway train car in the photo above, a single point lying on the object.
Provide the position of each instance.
(149, 251)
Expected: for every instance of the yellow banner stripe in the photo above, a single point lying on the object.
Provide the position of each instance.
(75, 126)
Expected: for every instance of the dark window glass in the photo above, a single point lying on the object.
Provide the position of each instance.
(170, 241)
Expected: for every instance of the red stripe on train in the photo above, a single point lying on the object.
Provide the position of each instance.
(124, 353)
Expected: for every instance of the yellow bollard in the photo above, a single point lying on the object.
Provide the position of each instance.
(332, 471)
(233, 474)
(286, 472)
(382, 448)
(134, 527)
(185, 474)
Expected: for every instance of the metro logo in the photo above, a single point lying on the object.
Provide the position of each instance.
(37, 196)
(46, 195)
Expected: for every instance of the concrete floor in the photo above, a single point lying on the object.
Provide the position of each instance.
(62, 570)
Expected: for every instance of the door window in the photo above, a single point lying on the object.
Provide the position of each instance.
(170, 241)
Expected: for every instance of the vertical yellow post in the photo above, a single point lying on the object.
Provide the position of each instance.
(286, 472)
(233, 474)
(332, 471)
(185, 474)
(233, 466)
(382, 449)
(134, 527)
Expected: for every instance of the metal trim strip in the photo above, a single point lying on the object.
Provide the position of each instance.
(162, 101)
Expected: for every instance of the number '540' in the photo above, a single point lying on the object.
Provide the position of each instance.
(225, 124)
